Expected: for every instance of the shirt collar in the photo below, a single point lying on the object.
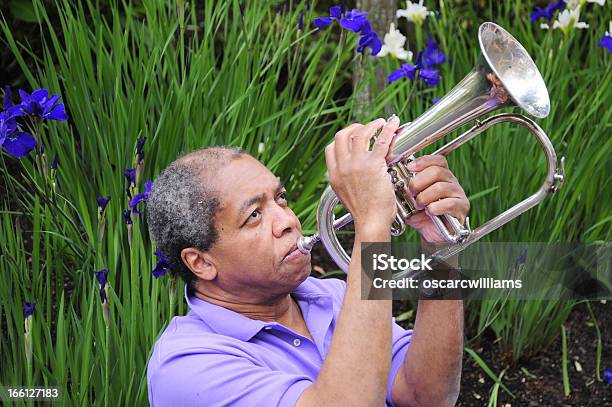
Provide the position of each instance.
(231, 323)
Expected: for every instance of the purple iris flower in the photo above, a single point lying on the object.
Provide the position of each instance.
(8, 100)
(432, 55)
(606, 42)
(127, 217)
(40, 104)
(369, 38)
(19, 144)
(55, 162)
(419, 60)
(301, 21)
(521, 259)
(354, 20)
(28, 309)
(334, 14)
(102, 202)
(429, 76)
(548, 12)
(102, 277)
(16, 143)
(130, 175)
(435, 100)
(162, 266)
(426, 74)
(608, 376)
(280, 8)
(139, 148)
(405, 71)
(141, 198)
(8, 123)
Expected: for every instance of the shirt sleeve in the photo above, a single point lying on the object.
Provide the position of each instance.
(214, 379)
(400, 337)
(399, 349)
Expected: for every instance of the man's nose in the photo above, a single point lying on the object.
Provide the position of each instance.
(284, 221)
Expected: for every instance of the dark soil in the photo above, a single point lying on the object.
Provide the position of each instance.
(542, 384)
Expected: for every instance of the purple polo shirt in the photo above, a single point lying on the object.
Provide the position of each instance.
(217, 357)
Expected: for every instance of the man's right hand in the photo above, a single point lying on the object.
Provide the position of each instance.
(355, 371)
(359, 176)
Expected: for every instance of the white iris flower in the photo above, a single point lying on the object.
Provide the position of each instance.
(417, 13)
(574, 4)
(394, 45)
(568, 19)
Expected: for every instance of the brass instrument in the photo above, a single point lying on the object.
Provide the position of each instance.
(504, 76)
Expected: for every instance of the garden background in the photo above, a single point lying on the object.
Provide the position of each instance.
(83, 295)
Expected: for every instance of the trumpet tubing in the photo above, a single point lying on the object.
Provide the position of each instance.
(503, 76)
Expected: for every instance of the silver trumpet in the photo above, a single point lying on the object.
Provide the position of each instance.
(504, 76)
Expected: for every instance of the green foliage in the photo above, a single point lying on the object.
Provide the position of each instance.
(194, 74)
(577, 74)
(216, 77)
(23, 10)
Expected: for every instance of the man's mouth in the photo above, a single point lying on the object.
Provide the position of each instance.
(295, 255)
(291, 250)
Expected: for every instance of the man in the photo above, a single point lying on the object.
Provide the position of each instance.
(260, 331)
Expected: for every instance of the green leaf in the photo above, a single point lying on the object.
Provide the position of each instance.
(566, 383)
(23, 10)
(404, 316)
(488, 370)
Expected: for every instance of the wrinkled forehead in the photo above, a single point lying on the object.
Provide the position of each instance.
(241, 180)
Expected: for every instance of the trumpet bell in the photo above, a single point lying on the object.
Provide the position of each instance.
(515, 69)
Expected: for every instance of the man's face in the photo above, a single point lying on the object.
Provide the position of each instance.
(256, 231)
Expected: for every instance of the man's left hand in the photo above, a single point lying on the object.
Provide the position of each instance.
(436, 190)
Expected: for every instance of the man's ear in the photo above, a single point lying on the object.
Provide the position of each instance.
(200, 263)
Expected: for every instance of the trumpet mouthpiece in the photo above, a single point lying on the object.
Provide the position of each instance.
(306, 243)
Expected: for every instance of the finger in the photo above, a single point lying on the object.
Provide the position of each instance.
(390, 155)
(383, 142)
(351, 128)
(361, 138)
(428, 177)
(424, 161)
(456, 207)
(342, 148)
(343, 140)
(351, 131)
(437, 191)
(330, 157)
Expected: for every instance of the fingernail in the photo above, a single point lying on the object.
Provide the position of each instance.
(412, 166)
(392, 118)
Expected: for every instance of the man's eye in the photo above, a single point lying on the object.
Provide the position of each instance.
(283, 195)
(253, 215)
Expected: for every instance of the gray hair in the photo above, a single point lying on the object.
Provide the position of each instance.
(182, 205)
